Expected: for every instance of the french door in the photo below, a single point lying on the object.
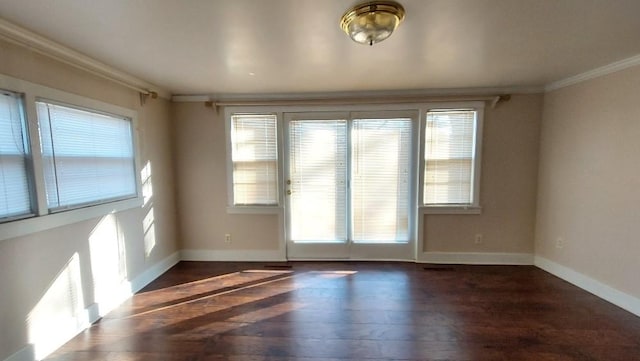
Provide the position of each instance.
(350, 185)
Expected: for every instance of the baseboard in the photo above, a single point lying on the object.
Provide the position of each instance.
(427, 257)
(608, 293)
(233, 255)
(480, 258)
(153, 272)
(27, 353)
(94, 310)
(93, 313)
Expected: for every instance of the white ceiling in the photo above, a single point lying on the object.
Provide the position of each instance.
(290, 46)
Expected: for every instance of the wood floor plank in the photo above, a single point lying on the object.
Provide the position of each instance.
(329, 311)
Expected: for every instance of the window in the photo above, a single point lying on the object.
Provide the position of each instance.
(254, 155)
(88, 157)
(318, 174)
(381, 173)
(451, 158)
(446, 152)
(15, 196)
(62, 164)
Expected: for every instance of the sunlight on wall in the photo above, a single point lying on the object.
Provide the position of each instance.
(148, 225)
(148, 222)
(108, 264)
(147, 184)
(59, 315)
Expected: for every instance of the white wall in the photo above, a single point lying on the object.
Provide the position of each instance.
(36, 269)
(589, 180)
(199, 134)
(508, 188)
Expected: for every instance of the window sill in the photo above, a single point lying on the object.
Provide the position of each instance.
(451, 210)
(23, 227)
(254, 209)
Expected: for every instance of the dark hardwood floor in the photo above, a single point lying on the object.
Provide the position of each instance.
(358, 311)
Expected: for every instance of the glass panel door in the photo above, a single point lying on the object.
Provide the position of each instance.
(380, 173)
(350, 188)
(317, 186)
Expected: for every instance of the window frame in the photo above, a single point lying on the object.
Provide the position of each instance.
(253, 208)
(42, 218)
(421, 109)
(27, 158)
(474, 207)
(133, 144)
(413, 116)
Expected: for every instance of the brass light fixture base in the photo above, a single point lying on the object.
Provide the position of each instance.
(373, 21)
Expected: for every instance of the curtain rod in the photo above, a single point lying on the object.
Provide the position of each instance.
(494, 99)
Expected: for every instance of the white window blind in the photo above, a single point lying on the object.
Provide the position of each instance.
(88, 157)
(15, 199)
(254, 154)
(380, 193)
(318, 170)
(450, 138)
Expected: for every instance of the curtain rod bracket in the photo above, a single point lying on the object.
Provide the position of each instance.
(500, 98)
(146, 94)
(213, 105)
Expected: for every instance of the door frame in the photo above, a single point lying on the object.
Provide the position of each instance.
(350, 250)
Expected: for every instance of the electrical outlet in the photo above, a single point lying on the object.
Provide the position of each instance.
(559, 242)
(227, 238)
(478, 238)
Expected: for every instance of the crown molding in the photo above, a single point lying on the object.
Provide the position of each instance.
(26, 38)
(595, 73)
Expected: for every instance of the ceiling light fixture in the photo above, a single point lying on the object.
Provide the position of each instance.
(372, 22)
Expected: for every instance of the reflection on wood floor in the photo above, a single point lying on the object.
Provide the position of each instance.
(358, 311)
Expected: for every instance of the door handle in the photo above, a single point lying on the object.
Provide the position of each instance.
(288, 192)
